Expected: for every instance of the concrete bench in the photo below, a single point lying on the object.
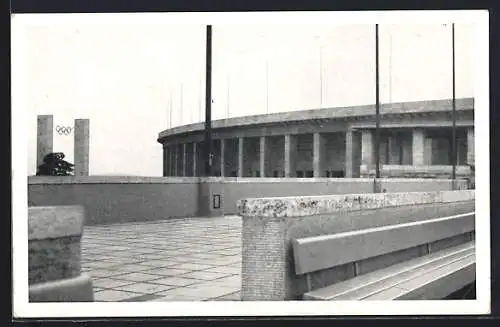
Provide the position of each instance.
(54, 235)
(434, 275)
(271, 227)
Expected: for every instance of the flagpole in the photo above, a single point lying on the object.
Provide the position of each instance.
(181, 105)
(390, 68)
(208, 105)
(227, 95)
(377, 107)
(321, 76)
(453, 131)
(199, 101)
(170, 110)
(267, 85)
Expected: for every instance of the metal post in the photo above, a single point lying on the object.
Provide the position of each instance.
(170, 111)
(377, 108)
(453, 130)
(181, 93)
(227, 95)
(321, 76)
(208, 106)
(267, 85)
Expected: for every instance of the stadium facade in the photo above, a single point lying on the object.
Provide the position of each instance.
(415, 141)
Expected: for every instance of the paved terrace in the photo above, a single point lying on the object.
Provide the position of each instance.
(194, 259)
(187, 259)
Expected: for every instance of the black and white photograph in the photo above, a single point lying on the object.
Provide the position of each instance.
(235, 164)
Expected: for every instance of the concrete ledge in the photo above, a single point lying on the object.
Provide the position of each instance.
(55, 180)
(282, 207)
(55, 222)
(410, 171)
(37, 180)
(78, 289)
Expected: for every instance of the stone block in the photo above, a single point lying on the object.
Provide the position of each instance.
(54, 261)
(54, 235)
(77, 289)
(316, 205)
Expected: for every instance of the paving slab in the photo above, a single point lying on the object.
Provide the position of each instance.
(190, 259)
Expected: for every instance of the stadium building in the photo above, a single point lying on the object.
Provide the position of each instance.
(415, 141)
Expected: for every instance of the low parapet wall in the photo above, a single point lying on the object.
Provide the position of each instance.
(270, 225)
(117, 199)
(54, 274)
(410, 171)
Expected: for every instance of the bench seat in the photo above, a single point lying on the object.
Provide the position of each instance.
(432, 276)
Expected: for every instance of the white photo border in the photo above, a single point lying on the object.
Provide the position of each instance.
(23, 309)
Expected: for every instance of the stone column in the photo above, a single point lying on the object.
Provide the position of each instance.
(264, 156)
(195, 159)
(418, 147)
(81, 144)
(290, 155)
(367, 148)
(318, 153)
(352, 154)
(45, 137)
(240, 156)
(184, 159)
(222, 157)
(470, 146)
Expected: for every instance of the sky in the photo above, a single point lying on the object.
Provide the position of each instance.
(136, 79)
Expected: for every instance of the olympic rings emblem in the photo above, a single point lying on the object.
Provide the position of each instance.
(63, 130)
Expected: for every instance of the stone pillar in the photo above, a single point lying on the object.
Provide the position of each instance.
(222, 157)
(45, 137)
(195, 159)
(418, 147)
(352, 154)
(290, 155)
(184, 159)
(82, 132)
(264, 156)
(470, 146)
(240, 156)
(367, 148)
(318, 154)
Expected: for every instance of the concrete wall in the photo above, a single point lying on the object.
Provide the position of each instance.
(236, 189)
(129, 199)
(118, 199)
